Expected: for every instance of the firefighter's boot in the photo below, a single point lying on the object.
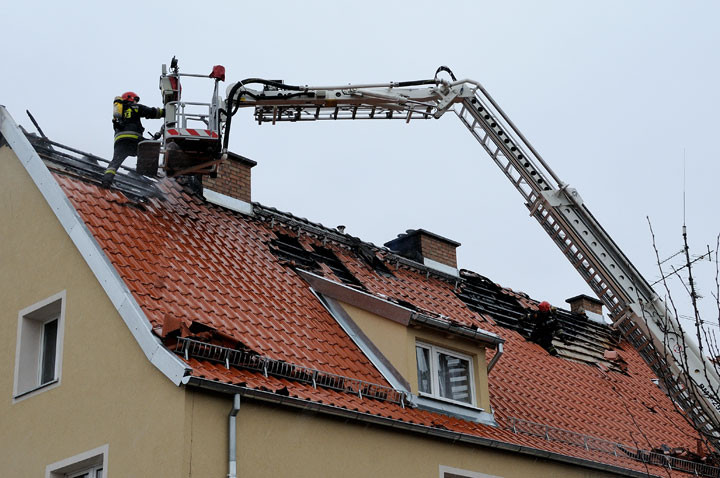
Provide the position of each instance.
(108, 178)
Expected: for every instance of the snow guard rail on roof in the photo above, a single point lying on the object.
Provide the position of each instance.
(249, 360)
(588, 442)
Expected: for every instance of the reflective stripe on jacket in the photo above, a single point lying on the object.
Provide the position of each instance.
(129, 126)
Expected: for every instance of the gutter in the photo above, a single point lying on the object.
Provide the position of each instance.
(330, 410)
(461, 330)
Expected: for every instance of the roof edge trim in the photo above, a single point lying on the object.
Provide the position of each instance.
(344, 413)
(116, 290)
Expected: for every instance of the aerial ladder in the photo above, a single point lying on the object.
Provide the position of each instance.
(691, 379)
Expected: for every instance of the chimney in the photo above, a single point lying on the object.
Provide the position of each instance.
(427, 248)
(590, 306)
(231, 187)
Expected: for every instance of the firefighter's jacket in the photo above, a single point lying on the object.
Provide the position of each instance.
(128, 126)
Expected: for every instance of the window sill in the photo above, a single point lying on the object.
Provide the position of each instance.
(454, 409)
(450, 401)
(36, 390)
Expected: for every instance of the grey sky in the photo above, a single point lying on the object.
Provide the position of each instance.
(610, 93)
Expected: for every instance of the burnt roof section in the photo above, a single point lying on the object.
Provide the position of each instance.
(572, 336)
(311, 257)
(90, 168)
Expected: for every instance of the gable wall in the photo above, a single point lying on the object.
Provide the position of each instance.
(109, 392)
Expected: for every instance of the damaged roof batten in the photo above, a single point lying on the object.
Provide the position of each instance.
(116, 290)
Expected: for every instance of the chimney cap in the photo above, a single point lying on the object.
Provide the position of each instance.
(241, 159)
(584, 297)
(417, 232)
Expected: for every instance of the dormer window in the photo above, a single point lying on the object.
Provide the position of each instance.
(444, 374)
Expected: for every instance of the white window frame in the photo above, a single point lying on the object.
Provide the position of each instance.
(85, 462)
(29, 347)
(434, 365)
(90, 472)
(447, 472)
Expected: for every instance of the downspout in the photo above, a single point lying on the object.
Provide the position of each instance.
(232, 437)
(495, 358)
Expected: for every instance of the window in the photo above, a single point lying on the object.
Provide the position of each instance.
(90, 464)
(94, 472)
(448, 472)
(38, 350)
(444, 374)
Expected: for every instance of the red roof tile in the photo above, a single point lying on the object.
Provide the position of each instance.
(204, 265)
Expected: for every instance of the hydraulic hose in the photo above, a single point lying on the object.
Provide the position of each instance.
(231, 99)
(445, 69)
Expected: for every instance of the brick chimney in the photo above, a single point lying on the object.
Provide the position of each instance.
(231, 187)
(590, 306)
(427, 248)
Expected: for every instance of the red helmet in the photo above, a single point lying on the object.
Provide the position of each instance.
(130, 96)
(544, 306)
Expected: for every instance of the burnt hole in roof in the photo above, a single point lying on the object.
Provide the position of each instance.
(562, 333)
(328, 257)
(406, 304)
(483, 296)
(372, 260)
(289, 249)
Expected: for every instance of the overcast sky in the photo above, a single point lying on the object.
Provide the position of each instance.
(613, 94)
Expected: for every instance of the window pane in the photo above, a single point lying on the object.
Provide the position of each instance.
(423, 369)
(454, 378)
(99, 473)
(47, 373)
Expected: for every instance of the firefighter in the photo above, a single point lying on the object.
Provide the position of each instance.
(127, 112)
(544, 325)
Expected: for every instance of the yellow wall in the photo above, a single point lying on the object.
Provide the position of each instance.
(109, 392)
(397, 343)
(278, 442)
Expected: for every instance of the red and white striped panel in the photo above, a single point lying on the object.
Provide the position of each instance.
(199, 133)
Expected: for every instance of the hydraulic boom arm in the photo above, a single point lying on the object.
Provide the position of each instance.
(635, 308)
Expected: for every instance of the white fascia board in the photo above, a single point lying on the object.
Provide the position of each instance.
(439, 266)
(363, 300)
(228, 202)
(118, 293)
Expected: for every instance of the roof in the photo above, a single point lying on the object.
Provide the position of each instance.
(202, 272)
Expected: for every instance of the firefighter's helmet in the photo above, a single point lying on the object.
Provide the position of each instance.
(130, 96)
